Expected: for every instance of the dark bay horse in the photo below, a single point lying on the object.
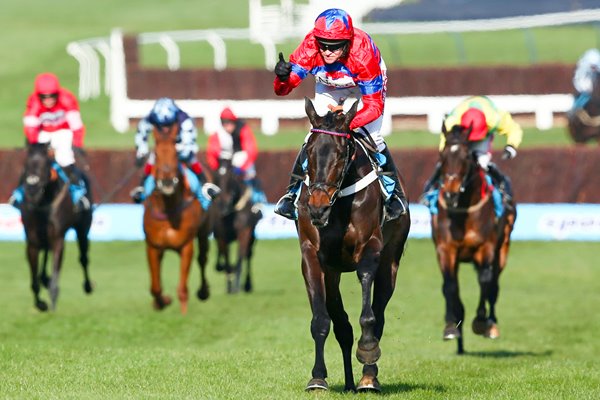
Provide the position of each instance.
(173, 218)
(340, 216)
(47, 213)
(466, 229)
(584, 123)
(233, 220)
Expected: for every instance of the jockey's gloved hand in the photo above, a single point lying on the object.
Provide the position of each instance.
(509, 152)
(283, 68)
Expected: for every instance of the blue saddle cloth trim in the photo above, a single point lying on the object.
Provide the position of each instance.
(76, 191)
(432, 196)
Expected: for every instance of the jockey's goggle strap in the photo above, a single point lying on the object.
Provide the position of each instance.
(332, 133)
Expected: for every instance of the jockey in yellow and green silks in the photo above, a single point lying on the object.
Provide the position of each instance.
(485, 120)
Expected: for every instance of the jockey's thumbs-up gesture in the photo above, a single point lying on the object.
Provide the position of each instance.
(283, 68)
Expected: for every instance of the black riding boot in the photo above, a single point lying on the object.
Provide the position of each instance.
(433, 180)
(397, 204)
(76, 179)
(285, 206)
(501, 181)
(137, 193)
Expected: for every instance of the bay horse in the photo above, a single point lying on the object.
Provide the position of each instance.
(466, 229)
(584, 123)
(234, 220)
(173, 219)
(340, 228)
(48, 213)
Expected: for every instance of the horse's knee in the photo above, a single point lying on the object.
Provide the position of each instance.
(320, 326)
(486, 275)
(450, 287)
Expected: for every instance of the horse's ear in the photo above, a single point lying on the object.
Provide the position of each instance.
(350, 114)
(310, 111)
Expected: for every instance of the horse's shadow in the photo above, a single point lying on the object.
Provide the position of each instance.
(399, 388)
(507, 354)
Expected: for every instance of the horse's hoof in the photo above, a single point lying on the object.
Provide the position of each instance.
(317, 384)
(203, 294)
(368, 384)
(368, 356)
(479, 326)
(88, 287)
(492, 332)
(162, 303)
(41, 306)
(220, 267)
(451, 332)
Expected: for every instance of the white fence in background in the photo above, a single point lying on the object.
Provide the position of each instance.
(122, 108)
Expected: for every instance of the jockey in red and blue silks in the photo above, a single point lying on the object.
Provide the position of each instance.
(235, 141)
(52, 116)
(166, 113)
(346, 64)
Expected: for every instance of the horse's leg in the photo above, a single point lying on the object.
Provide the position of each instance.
(185, 260)
(368, 351)
(84, 245)
(58, 248)
(484, 261)
(320, 323)
(155, 255)
(455, 311)
(243, 238)
(32, 257)
(383, 288)
(492, 331)
(44, 279)
(248, 281)
(341, 326)
(204, 291)
(222, 259)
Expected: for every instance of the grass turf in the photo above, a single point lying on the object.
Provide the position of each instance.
(258, 346)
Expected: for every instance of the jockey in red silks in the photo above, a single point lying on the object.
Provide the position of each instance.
(52, 116)
(235, 141)
(166, 113)
(346, 64)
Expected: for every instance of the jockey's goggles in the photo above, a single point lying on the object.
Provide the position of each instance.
(331, 45)
(48, 95)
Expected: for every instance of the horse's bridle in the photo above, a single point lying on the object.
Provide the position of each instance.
(467, 178)
(323, 186)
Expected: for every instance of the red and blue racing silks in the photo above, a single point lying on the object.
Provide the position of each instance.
(361, 66)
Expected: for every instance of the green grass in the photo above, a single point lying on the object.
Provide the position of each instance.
(34, 39)
(258, 346)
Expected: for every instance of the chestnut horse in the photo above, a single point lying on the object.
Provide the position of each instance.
(47, 213)
(466, 229)
(173, 218)
(584, 123)
(234, 220)
(340, 228)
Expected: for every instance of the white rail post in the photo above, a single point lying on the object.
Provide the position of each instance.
(119, 114)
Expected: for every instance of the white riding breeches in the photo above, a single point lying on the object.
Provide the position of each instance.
(327, 95)
(61, 142)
